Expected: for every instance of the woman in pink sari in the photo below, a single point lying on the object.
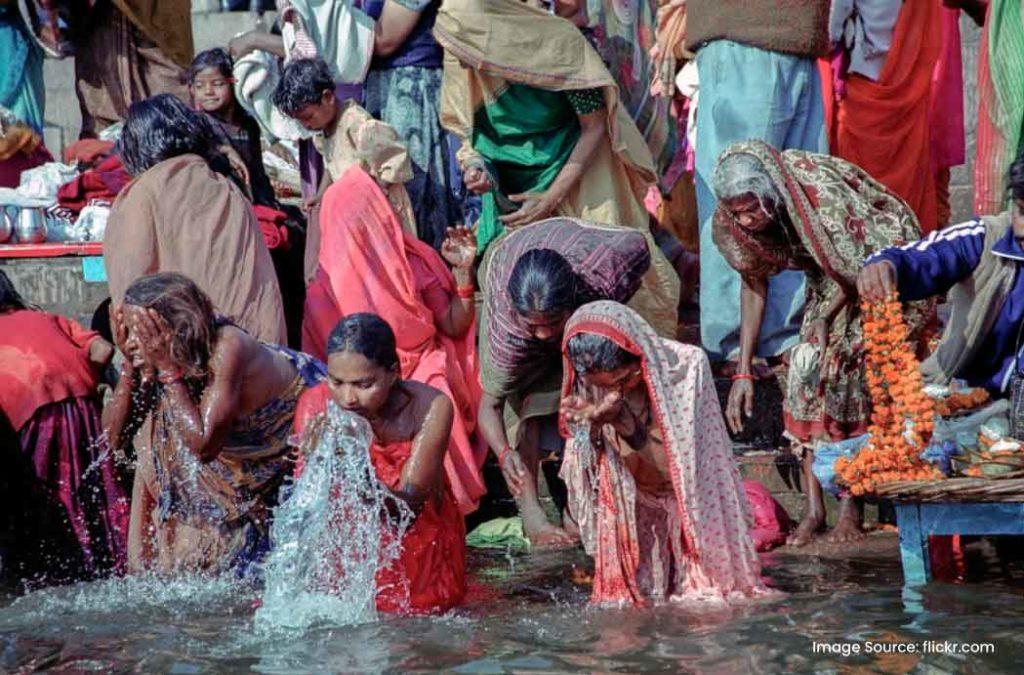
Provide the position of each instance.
(368, 263)
(649, 467)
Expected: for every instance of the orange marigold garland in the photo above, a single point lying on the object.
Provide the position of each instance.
(893, 374)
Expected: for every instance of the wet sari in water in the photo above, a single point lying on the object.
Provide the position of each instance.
(429, 575)
(839, 215)
(65, 497)
(691, 542)
(369, 263)
(214, 516)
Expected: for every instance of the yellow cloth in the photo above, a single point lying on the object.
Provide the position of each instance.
(378, 149)
(490, 43)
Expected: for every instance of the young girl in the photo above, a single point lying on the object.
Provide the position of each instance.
(211, 84)
(411, 424)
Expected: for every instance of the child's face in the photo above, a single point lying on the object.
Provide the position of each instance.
(319, 116)
(211, 90)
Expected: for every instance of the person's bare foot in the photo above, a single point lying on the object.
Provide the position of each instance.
(846, 530)
(570, 525)
(543, 534)
(848, 526)
(806, 531)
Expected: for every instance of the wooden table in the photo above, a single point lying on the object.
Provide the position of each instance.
(919, 520)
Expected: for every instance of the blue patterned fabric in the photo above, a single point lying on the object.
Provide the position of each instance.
(408, 98)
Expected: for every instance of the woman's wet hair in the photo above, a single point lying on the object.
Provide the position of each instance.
(739, 174)
(186, 309)
(544, 282)
(365, 334)
(10, 298)
(303, 83)
(590, 352)
(1015, 179)
(215, 58)
(160, 128)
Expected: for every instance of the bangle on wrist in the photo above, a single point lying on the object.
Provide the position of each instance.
(742, 376)
(503, 453)
(465, 292)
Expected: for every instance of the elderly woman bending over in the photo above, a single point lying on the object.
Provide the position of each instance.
(823, 215)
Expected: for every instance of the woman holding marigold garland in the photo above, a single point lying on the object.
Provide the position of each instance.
(822, 215)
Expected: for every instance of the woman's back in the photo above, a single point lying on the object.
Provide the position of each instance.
(182, 216)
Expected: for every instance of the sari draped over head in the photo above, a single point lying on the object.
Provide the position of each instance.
(884, 126)
(368, 263)
(507, 69)
(613, 263)
(181, 216)
(1000, 103)
(839, 215)
(691, 543)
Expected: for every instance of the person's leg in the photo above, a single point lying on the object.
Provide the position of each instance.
(740, 99)
(814, 511)
(848, 527)
(538, 529)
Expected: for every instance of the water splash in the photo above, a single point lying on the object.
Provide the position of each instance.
(332, 534)
(587, 453)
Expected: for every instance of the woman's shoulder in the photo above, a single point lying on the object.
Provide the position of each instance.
(428, 403)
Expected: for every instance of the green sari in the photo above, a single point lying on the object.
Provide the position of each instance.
(525, 138)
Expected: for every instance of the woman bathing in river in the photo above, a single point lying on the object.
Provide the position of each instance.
(653, 486)
(215, 407)
(411, 424)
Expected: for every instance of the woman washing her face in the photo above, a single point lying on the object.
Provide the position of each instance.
(411, 424)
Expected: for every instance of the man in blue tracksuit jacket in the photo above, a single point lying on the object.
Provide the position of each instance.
(978, 264)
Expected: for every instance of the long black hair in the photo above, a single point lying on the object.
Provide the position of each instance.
(590, 352)
(160, 128)
(366, 334)
(10, 298)
(543, 281)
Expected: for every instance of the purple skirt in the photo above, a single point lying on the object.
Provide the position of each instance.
(74, 512)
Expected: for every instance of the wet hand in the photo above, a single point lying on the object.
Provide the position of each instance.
(514, 470)
(877, 281)
(459, 247)
(740, 405)
(578, 410)
(535, 206)
(818, 334)
(477, 181)
(120, 329)
(154, 335)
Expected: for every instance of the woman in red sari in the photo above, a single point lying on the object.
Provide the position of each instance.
(368, 263)
(411, 423)
(61, 495)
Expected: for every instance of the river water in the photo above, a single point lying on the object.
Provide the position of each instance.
(526, 614)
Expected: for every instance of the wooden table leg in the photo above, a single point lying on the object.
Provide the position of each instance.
(914, 555)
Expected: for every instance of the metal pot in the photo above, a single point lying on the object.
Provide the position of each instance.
(31, 226)
(6, 223)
